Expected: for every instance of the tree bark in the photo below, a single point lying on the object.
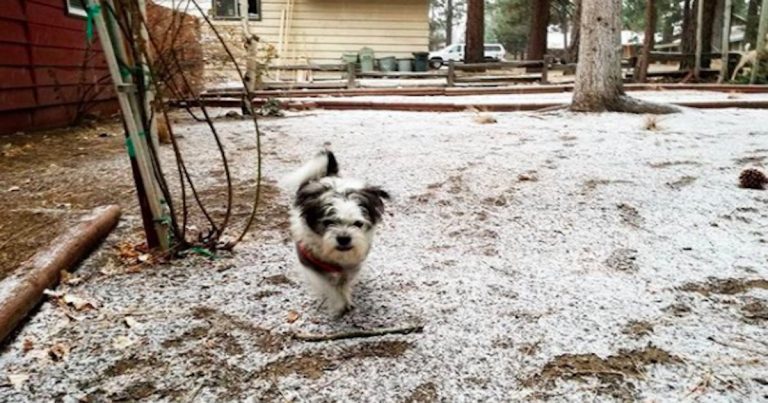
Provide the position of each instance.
(762, 53)
(474, 49)
(449, 23)
(707, 31)
(641, 71)
(599, 85)
(688, 39)
(537, 36)
(725, 47)
(573, 48)
(753, 20)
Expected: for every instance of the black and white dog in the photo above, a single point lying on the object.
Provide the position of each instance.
(333, 221)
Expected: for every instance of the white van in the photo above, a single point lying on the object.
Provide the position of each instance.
(493, 52)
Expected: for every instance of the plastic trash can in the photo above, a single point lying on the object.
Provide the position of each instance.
(349, 58)
(366, 59)
(421, 61)
(388, 64)
(404, 64)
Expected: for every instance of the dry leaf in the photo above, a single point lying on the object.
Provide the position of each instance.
(53, 294)
(79, 303)
(130, 322)
(27, 345)
(293, 316)
(14, 189)
(17, 380)
(122, 342)
(59, 351)
(484, 119)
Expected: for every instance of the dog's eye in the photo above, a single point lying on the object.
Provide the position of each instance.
(327, 223)
(359, 224)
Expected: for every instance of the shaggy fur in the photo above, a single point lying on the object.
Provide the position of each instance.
(334, 219)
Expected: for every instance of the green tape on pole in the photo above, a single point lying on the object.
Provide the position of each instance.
(129, 146)
(92, 11)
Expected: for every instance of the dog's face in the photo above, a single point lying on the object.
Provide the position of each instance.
(337, 218)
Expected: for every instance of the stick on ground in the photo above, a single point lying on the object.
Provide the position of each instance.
(357, 334)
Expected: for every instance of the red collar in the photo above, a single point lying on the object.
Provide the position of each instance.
(308, 259)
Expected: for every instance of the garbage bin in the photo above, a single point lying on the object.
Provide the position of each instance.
(421, 61)
(404, 64)
(366, 59)
(388, 64)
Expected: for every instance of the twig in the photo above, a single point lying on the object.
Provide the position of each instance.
(363, 333)
(722, 343)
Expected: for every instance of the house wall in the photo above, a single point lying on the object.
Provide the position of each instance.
(322, 30)
(49, 76)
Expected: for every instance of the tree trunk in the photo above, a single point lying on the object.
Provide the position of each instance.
(717, 26)
(707, 30)
(537, 36)
(573, 49)
(474, 49)
(688, 39)
(762, 53)
(641, 71)
(725, 47)
(449, 23)
(599, 83)
(753, 20)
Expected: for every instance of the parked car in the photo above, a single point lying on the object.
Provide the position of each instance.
(493, 52)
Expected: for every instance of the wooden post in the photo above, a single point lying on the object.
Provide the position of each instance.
(699, 39)
(545, 69)
(153, 208)
(726, 44)
(351, 80)
(451, 73)
(23, 290)
(760, 50)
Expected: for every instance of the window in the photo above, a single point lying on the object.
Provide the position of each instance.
(230, 9)
(76, 7)
(493, 48)
(456, 49)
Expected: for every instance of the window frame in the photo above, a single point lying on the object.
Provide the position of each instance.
(75, 11)
(251, 16)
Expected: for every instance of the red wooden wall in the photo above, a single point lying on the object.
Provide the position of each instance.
(48, 73)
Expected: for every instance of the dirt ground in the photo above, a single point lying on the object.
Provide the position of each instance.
(548, 256)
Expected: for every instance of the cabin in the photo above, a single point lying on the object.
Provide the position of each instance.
(51, 75)
(317, 31)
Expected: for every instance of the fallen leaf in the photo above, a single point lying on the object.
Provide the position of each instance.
(122, 342)
(485, 119)
(59, 351)
(27, 345)
(14, 189)
(293, 316)
(17, 380)
(79, 303)
(130, 322)
(53, 294)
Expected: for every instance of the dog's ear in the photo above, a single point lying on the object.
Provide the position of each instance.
(372, 200)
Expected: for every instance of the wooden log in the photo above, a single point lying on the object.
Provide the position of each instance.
(23, 290)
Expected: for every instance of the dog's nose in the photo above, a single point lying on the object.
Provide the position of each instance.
(343, 240)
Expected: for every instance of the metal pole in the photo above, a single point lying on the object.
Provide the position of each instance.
(699, 38)
(726, 46)
(762, 31)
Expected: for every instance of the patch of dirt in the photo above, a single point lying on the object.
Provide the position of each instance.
(668, 164)
(638, 328)
(678, 309)
(55, 176)
(383, 349)
(132, 364)
(755, 311)
(279, 279)
(137, 391)
(751, 160)
(223, 324)
(728, 286)
(630, 215)
(424, 393)
(613, 372)
(623, 260)
(592, 184)
(682, 182)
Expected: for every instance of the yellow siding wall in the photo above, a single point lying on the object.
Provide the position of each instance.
(322, 30)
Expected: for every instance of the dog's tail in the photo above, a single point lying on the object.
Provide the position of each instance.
(322, 165)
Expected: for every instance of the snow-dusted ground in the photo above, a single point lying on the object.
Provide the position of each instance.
(519, 245)
(561, 97)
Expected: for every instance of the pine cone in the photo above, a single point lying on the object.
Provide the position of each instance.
(752, 179)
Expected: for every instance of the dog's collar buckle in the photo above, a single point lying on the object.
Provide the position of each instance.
(309, 260)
